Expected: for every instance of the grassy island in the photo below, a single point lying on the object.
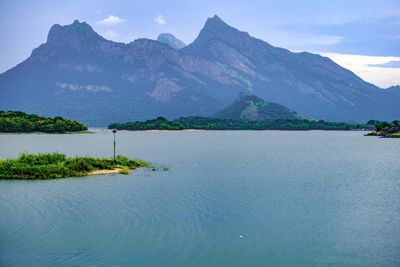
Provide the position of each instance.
(54, 165)
(203, 123)
(385, 129)
(20, 122)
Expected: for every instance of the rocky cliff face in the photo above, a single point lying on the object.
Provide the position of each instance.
(252, 108)
(309, 83)
(80, 75)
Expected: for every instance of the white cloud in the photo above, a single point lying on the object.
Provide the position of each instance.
(110, 20)
(110, 34)
(364, 67)
(160, 20)
(298, 41)
(391, 64)
(305, 40)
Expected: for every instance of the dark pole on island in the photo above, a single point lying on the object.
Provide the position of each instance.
(114, 132)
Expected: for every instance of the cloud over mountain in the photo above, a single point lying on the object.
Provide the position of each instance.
(110, 20)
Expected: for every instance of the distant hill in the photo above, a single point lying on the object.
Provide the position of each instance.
(171, 40)
(252, 108)
(78, 74)
(394, 87)
(20, 122)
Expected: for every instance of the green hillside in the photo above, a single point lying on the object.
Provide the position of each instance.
(20, 122)
(252, 108)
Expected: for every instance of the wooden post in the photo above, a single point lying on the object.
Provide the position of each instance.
(114, 132)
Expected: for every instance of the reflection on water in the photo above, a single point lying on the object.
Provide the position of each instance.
(229, 199)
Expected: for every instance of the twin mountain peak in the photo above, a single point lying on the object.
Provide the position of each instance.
(79, 74)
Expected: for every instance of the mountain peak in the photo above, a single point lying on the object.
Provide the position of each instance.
(215, 19)
(216, 23)
(215, 29)
(171, 40)
(77, 71)
(253, 108)
(394, 87)
(247, 96)
(77, 31)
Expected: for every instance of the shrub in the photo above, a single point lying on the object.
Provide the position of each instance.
(55, 165)
(16, 121)
(124, 170)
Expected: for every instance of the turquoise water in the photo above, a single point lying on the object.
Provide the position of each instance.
(240, 198)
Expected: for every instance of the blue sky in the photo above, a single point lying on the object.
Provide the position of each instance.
(363, 36)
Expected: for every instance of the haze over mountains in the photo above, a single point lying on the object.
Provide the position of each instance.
(252, 108)
(80, 75)
(171, 40)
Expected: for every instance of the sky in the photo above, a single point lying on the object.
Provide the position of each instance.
(361, 35)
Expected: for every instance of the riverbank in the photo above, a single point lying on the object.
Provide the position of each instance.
(204, 123)
(55, 165)
(385, 129)
(20, 122)
(384, 135)
(184, 130)
(20, 133)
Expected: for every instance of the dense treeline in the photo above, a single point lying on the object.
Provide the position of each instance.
(54, 165)
(16, 121)
(385, 129)
(222, 124)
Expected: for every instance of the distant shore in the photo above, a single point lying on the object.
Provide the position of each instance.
(21, 133)
(230, 130)
(20, 122)
(385, 129)
(205, 123)
(183, 130)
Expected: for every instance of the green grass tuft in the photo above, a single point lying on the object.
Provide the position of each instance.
(124, 170)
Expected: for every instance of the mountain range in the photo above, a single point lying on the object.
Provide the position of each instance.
(80, 75)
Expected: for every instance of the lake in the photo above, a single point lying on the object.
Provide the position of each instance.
(229, 198)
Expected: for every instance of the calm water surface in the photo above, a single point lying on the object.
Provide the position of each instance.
(241, 198)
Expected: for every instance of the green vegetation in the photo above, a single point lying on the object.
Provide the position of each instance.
(385, 129)
(253, 108)
(225, 124)
(20, 122)
(54, 165)
(157, 124)
(124, 170)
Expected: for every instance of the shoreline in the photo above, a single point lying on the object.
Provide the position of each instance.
(104, 172)
(20, 133)
(183, 130)
(56, 166)
(231, 130)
